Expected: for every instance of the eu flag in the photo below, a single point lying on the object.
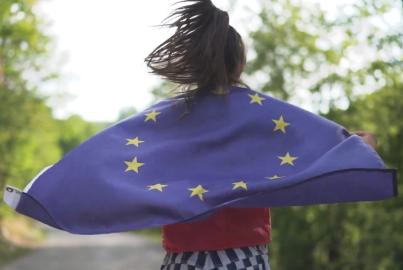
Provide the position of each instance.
(159, 167)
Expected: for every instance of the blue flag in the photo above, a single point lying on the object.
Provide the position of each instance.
(161, 166)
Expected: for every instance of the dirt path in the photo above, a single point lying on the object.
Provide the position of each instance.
(64, 251)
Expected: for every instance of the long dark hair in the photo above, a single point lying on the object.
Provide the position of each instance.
(205, 53)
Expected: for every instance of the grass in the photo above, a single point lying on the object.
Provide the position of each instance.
(10, 252)
(18, 237)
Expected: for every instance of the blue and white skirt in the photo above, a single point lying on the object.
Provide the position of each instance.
(243, 258)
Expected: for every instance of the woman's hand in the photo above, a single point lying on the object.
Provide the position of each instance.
(368, 137)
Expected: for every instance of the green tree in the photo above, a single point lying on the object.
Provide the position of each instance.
(75, 130)
(349, 67)
(126, 112)
(377, 230)
(27, 132)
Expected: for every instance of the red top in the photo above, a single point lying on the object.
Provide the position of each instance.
(226, 228)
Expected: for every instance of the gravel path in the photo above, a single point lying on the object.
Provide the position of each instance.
(117, 251)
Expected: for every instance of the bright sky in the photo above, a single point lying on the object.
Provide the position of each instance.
(102, 45)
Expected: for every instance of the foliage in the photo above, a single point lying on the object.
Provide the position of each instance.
(164, 90)
(75, 130)
(350, 68)
(378, 226)
(28, 137)
(9, 252)
(126, 112)
(300, 50)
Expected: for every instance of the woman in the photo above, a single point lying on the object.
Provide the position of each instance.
(207, 55)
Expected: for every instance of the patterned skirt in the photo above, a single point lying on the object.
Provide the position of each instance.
(243, 258)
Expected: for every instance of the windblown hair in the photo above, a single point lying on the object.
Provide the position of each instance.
(205, 53)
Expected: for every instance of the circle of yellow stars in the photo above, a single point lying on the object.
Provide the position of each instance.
(199, 190)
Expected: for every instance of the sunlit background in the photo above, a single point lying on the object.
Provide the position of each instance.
(100, 48)
(69, 69)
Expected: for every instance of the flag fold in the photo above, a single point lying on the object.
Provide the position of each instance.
(161, 166)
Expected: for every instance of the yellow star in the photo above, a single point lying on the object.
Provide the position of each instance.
(287, 159)
(152, 116)
(280, 124)
(157, 187)
(240, 184)
(274, 177)
(135, 141)
(133, 165)
(256, 99)
(199, 190)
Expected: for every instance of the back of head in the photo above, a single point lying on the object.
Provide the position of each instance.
(205, 52)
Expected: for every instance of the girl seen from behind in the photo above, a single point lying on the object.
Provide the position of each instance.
(206, 55)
